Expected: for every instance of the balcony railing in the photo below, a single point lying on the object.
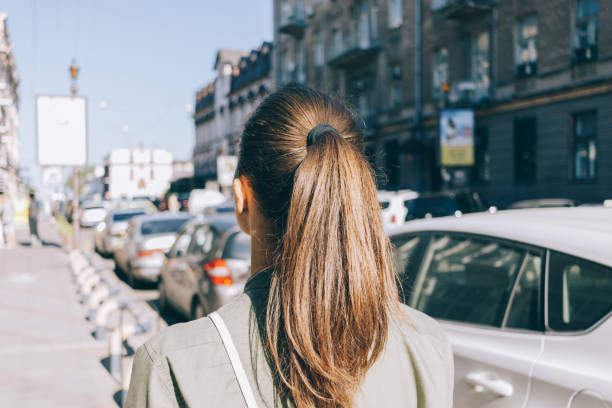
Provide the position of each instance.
(359, 47)
(460, 8)
(292, 19)
(468, 93)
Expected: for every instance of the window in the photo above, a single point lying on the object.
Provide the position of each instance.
(584, 157)
(392, 163)
(162, 226)
(480, 64)
(578, 293)
(525, 150)
(404, 263)
(301, 62)
(585, 30)
(396, 87)
(525, 311)
(526, 47)
(482, 159)
(395, 13)
(180, 245)
(319, 50)
(467, 279)
(202, 241)
(440, 73)
(238, 247)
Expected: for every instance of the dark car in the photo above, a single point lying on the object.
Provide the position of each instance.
(206, 267)
(442, 204)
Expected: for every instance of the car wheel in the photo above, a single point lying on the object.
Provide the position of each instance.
(163, 298)
(197, 310)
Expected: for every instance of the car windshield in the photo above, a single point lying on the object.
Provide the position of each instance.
(162, 226)
(238, 247)
(436, 206)
(124, 216)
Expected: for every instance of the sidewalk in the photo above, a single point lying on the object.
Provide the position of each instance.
(49, 357)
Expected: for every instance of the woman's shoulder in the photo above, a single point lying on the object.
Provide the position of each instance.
(422, 324)
(195, 333)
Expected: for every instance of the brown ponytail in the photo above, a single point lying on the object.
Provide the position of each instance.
(333, 288)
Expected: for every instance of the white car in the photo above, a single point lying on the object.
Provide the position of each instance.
(92, 213)
(392, 206)
(109, 234)
(525, 297)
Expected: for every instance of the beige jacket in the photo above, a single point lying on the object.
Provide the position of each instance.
(187, 365)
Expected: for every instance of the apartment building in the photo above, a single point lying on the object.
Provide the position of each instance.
(537, 77)
(222, 106)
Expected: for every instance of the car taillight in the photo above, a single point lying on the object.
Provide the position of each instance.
(393, 219)
(144, 254)
(218, 272)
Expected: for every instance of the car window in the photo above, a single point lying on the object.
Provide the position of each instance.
(180, 245)
(238, 246)
(202, 241)
(403, 250)
(579, 293)
(162, 226)
(126, 215)
(525, 311)
(466, 279)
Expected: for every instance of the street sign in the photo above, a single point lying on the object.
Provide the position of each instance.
(456, 137)
(226, 169)
(61, 131)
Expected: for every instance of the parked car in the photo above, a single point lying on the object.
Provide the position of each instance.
(392, 206)
(109, 234)
(206, 267)
(92, 213)
(444, 203)
(525, 297)
(543, 203)
(148, 237)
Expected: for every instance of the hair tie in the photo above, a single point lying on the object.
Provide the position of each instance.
(317, 131)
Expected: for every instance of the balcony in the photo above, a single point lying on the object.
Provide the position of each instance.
(457, 9)
(292, 20)
(358, 49)
(468, 93)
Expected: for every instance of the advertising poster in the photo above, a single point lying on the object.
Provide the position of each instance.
(456, 137)
(62, 131)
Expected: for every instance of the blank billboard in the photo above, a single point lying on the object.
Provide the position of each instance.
(62, 131)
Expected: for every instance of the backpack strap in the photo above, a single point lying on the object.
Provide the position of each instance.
(228, 343)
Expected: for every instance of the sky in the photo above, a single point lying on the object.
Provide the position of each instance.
(141, 62)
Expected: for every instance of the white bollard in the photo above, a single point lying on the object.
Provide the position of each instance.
(95, 300)
(86, 274)
(88, 287)
(78, 271)
(102, 315)
(115, 347)
(77, 264)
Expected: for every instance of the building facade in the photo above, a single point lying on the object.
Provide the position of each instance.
(9, 116)
(137, 173)
(537, 75)
(243, 78)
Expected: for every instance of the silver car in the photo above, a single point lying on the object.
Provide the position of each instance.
(148, 237)
(526, 299)
(110, 233)
(207, 267)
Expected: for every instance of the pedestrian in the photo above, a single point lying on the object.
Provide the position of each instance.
(8, 218)
(33, 220)
(319, 323)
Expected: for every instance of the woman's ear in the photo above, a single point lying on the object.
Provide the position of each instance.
(241, 191)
